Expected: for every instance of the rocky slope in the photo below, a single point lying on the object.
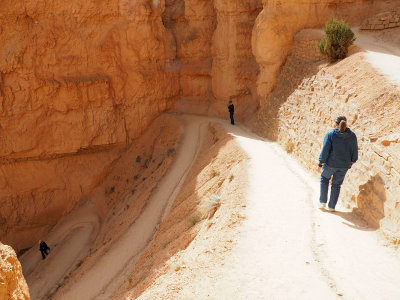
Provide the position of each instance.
(307, 98)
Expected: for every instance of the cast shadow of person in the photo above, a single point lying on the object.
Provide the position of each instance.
(370, 206)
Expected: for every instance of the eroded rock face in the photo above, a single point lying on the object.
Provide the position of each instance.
(389, 19)
(78, 75)
(277, 24)
(12, 282)
(192, 24)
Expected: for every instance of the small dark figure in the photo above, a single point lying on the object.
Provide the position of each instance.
(231, 109)
(43, 248)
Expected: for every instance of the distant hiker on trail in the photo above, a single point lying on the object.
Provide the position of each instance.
(339, 153)
(43, 248)
(231, 109)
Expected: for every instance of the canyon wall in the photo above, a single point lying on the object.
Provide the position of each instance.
(192, 23)
(79, 82)
(276, 25)
(80, 75)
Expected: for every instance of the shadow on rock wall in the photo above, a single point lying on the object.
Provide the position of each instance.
(371, 201)
(302, 64)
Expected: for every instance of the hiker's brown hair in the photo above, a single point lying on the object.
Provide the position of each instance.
(341, 121)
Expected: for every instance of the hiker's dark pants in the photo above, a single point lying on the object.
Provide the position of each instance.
(44, 252)
(232, 120)
(337, 175)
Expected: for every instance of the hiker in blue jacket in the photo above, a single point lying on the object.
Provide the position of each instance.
(339, 153)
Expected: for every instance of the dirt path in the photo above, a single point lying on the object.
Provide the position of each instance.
(73, 237)
(302, 251)
(382, 53)
(108, 274)
(287, 248)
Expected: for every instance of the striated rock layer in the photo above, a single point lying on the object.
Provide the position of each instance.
(78, 75)
(234, 70)
(12, 282)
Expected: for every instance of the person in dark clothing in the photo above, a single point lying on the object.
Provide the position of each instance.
(339, 153)
(231, 109)
(43, 248)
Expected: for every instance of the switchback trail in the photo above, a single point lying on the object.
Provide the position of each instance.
(74, 234)
(286, 249)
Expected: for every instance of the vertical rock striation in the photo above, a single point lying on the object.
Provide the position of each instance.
(192, 23)
(214, 56)
(234, 70)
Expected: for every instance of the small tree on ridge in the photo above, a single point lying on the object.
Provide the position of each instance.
(338, 37)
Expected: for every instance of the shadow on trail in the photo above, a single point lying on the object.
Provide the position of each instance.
(370, 210)
(353, 220)
(294, 72)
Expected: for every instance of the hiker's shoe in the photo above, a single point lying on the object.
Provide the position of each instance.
(321, 205)
(331, 209)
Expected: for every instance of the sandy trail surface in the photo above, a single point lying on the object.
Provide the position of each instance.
(286, 249)
(289, 249)
(73, 235)
(382, 51)
(70, 241)
(101, 281)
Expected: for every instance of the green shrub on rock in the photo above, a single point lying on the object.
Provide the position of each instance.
(338, 37)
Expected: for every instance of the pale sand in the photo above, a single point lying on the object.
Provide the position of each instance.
(382, 51)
